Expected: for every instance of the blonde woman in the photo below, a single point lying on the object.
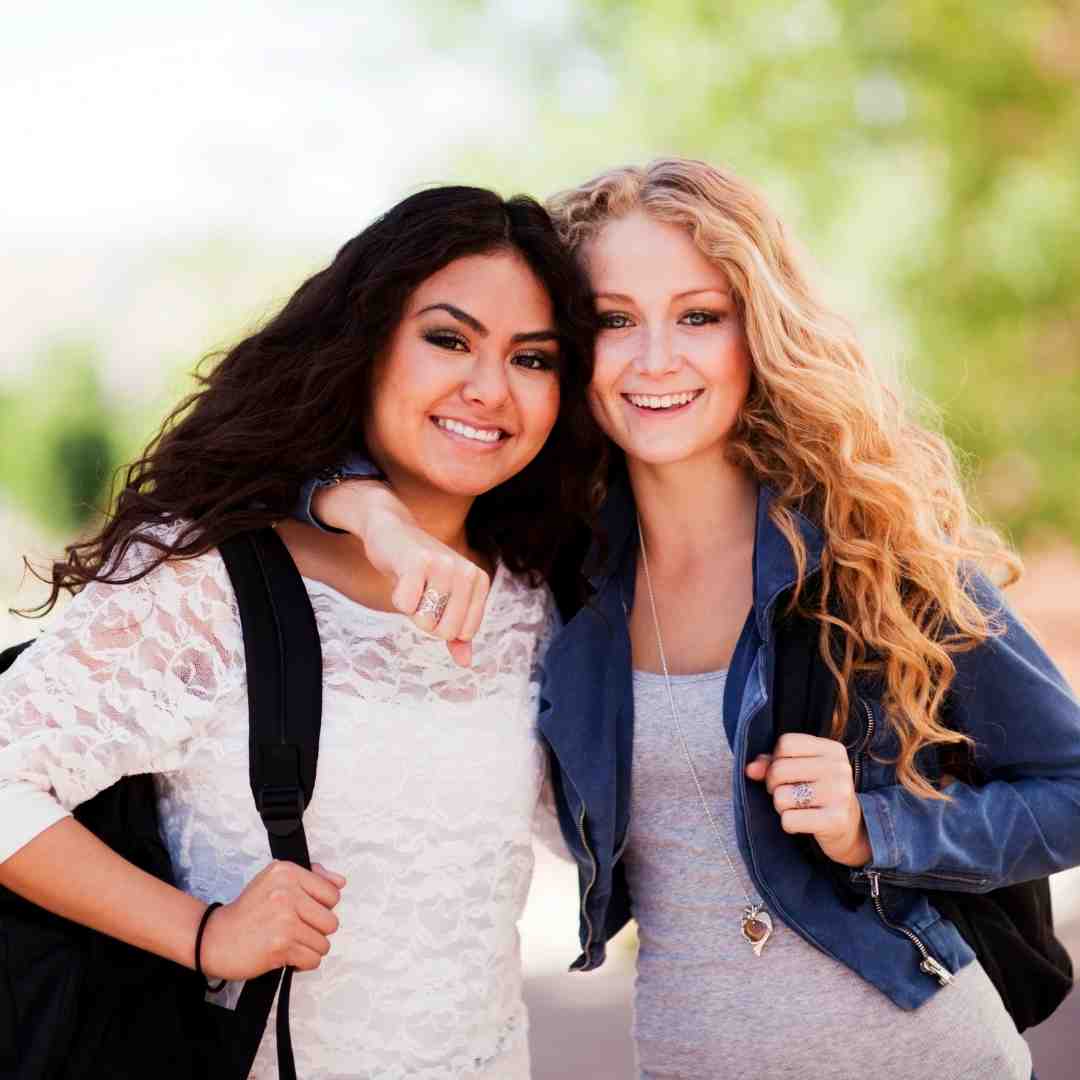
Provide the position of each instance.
(760, 472)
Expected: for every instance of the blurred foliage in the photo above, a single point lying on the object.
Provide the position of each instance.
(71, 418)
(927, 153)
(930, 149)
(60, 446)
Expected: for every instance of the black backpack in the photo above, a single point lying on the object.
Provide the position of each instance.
(1011, 929)
(76, 1004)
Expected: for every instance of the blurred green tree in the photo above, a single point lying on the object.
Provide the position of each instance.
(927, 150)
(60, 445)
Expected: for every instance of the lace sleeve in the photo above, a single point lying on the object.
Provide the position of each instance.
(123, 683)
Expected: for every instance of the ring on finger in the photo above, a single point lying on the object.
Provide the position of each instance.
(433, 603)
(803, 795)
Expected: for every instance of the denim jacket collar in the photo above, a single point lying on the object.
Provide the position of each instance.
(775, 569)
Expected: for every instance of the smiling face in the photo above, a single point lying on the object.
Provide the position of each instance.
(467, 390)
(672, 365)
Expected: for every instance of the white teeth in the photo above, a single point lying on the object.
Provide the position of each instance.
(652, 401)
(487, 435)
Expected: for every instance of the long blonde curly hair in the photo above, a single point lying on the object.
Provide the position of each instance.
(824, 431)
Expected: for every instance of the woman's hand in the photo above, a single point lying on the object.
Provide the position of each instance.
(284, 918)
(813, 790)
(399, 549)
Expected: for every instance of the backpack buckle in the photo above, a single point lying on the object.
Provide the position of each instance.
(281, 809)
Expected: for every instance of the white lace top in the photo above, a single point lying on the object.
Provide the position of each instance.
(429, 778)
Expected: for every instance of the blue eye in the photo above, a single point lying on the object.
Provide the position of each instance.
(700, 318)
(444, 339)
(613, 320)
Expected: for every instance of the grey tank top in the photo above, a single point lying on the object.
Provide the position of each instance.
(705, 1007)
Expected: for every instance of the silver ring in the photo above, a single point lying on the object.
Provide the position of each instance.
(804, 795)
(433, 603)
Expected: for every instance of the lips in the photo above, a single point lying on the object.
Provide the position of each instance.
(485, 435)
(662, 402)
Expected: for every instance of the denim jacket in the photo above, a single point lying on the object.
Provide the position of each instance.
(1007, 695)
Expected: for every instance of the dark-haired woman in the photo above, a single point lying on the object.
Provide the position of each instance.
(448, 334)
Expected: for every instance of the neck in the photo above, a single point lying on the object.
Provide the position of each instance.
(691, 509)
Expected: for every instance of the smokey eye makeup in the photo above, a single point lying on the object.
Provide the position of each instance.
(446, 339)
(537, 361)
(453, 341)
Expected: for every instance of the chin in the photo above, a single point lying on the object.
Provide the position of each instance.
(653, 454)
(466, 483)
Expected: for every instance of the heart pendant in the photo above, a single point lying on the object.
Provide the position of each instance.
(757, 927)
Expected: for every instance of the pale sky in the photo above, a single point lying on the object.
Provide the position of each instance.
(171, 172)
(137, 134)
(277, 116)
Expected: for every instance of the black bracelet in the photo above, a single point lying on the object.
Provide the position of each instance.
(210, 909)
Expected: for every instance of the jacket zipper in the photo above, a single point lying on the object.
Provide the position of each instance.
(928, 964)
(588, 888)
(857, 769)
(934, 968)
(929, 880)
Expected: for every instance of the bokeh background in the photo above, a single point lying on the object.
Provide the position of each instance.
(172, 172)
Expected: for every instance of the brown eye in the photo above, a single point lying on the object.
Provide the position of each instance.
(444, 339)
(534, 361)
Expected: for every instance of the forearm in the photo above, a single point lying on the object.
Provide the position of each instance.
(67, 870)
(983, 838)
(401, 551)
(354, 506)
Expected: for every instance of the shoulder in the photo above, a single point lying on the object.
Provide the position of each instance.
(185, 598)
(155, 633)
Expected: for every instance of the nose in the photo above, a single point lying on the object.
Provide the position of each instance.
(657, 356)
(486, 383)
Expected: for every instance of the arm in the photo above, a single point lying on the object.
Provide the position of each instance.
(357, 503)
(282, 917)
(355, 467)
(124, 685)
(1024, 821)
(100, 889)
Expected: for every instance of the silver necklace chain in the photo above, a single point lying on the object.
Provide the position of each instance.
(678, 725)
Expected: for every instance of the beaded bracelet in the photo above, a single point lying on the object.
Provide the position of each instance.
(210, 909)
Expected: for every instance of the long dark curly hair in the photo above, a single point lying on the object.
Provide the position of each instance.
(288, 401)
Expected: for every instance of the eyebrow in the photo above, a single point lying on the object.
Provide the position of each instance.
(678, 296)
(475, 324)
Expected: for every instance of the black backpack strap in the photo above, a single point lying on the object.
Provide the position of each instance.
(284, 688)
(10, 654)
(794, 681)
